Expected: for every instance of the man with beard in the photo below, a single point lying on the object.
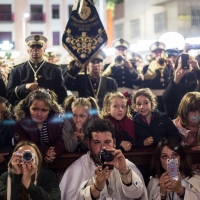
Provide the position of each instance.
(88, 179)
(35, 73)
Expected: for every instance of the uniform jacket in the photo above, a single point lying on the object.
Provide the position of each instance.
(47, 187)
(160, 126)
(175, 92)
(81, 176)
(192, 189)
(122, 75)
(2, 87)
(49, 77)
(75, 81)
(26, 129)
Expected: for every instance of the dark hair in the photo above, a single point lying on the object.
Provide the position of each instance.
(173, 144)
(8, 107)
(101, 125)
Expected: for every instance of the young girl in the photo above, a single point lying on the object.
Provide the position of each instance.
(116, 108)
(38, 120)
(80, 112)
(6, 130)
(151, 125)
(188, 120)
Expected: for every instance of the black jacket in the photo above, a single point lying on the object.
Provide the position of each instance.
(175, 92)
(161, 126)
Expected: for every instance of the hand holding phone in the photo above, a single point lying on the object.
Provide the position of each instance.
(172, 168)
(184, 59)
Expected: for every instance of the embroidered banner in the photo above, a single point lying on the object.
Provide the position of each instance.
(84, 33)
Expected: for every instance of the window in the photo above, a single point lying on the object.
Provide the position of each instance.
(5, 12)
(36, 13)
(135, 28)
(55, 11)
(36, 32)
(159, 22)
(56, 38)
(119, 31)
(195, 17)
(5, 36)
(70, 9)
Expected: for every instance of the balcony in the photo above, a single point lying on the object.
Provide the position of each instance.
(37, 18)
(6, 17)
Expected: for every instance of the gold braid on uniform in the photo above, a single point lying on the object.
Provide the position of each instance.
(108, 70)
(151, 71)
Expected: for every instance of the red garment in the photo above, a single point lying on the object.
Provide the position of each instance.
(26, 129)
(126, 123)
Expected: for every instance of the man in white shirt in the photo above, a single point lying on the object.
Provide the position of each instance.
(87, 179)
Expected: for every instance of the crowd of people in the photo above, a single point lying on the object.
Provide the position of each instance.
(120, 106)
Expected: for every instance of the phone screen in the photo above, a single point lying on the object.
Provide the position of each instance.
(172, 168)
(185, 58)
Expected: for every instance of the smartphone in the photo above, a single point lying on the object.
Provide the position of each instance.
(185, 58)
(172, 168)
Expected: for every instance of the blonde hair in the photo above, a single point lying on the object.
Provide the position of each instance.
(109, 97)
(88, 103)
(147, 93)
(190, 102)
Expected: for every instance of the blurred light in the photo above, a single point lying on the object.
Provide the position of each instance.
(172, 40)
(6, 45)
(26, 15)
(142, 45)
(195, 40)
(109, 51)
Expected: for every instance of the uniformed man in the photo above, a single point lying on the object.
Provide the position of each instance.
(51, 56)
(92, 84)
(157, 74)
(121, 69)
(35, 73)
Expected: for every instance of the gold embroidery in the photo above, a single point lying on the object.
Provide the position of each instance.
(85, 11)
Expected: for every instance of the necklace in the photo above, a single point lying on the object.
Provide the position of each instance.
(35, 72)
(95, 93)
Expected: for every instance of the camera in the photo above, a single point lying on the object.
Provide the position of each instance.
(27, 156)
(106, 156)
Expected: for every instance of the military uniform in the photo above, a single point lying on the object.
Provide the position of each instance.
(125, 78)
(87, 85)
(48, 76)
(157, 75)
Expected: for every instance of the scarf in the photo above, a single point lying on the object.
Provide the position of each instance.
(126, 123)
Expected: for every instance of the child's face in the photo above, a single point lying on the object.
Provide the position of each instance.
(2, 111)
(39, 111)
(118, 108)
(80, 115)
(143, 105)
(194, 117)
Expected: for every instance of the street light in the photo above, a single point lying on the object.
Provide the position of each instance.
(25, 16)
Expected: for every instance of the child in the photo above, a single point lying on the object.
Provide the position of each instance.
(116, 108)
(151, 125)
(6, 130)
(38, 120)
(80, 112)
(188, 120)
